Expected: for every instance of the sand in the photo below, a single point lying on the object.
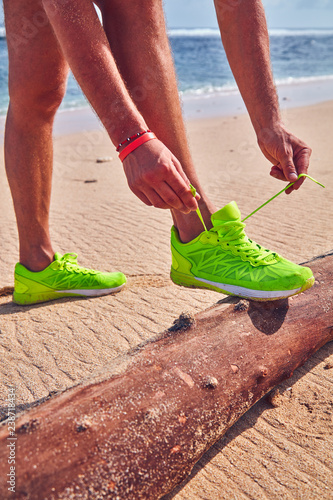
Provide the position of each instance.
(273, 452)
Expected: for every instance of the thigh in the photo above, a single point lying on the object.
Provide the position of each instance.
(35, 57)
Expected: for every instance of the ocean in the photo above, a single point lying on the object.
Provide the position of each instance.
(202, 69)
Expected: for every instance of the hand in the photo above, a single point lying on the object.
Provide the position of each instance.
(156, 177)
(290, 156)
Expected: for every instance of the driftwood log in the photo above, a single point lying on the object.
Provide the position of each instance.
(137, 434)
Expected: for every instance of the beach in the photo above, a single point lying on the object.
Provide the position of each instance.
(281, 451)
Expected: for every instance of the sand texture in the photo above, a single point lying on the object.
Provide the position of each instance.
(281, 448)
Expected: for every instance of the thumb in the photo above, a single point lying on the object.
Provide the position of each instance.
(289, 168)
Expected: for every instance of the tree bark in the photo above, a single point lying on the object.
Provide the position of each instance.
(137, 434)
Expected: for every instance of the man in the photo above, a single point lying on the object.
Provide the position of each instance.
(110, 63)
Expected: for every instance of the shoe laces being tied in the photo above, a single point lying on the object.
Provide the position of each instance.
(233, 235)
(68, 261)
(233, 231)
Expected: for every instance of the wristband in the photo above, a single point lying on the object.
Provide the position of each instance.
(129, 139)
(136, 143)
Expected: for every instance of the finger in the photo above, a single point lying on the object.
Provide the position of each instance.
(180, 184)
(277, 173)
(302, 161)
(297, 185)
(158, 202)
(168, 195)
(141, 197)
(289, 168)
(188, 191)
(289, 190)
(183, 191)
(180, 170)
(155, 200)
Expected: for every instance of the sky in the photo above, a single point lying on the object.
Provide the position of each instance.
(280, 13)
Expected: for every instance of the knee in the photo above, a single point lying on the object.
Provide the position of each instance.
(41, 99)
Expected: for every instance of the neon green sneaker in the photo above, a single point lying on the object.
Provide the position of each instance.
(63, 278)
(224, 259)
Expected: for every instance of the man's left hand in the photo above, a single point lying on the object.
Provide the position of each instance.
(290, 156)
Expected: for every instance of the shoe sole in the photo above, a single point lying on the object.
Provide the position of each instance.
(237, 291)
(25, 299)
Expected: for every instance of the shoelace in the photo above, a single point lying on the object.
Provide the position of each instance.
(233, 231)
(282, 191)
(69, 261)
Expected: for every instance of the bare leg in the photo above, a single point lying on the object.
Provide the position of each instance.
(139, 43)
(37, 82)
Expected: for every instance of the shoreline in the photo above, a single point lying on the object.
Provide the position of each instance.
(294, 95)
(222, 104)
(207, 106)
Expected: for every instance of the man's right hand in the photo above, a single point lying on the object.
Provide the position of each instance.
(156, 177)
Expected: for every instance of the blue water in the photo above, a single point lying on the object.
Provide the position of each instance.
(202, 67)
(297, 55)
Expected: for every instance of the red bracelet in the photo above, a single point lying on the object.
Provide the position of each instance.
(129, 139)
(136, 143)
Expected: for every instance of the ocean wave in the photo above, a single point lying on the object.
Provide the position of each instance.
(209, 90)
(300, 32)
(230, 88)
(303, 79)
(215, 32)
(197, 32)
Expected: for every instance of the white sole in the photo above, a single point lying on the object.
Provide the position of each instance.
(92, 293)
(248, 293)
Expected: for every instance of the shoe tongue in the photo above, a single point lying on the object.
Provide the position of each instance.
(57, 256)
(227, 213)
